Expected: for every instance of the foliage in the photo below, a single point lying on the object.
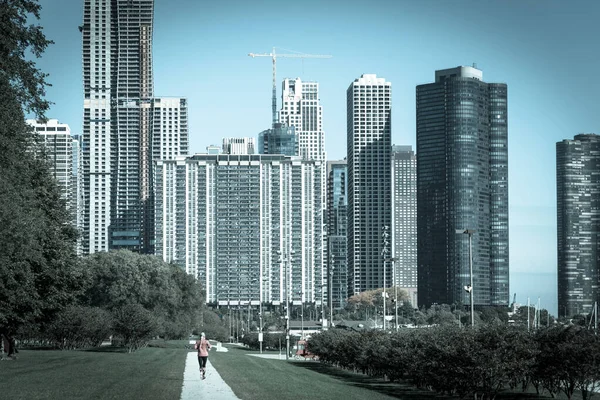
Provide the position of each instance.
(134, 325)
(39, 274)
(16, 39)
(121, 278)
(79, 327)
(569, 360)
(447, 359)
(362, 302)
(213, 326)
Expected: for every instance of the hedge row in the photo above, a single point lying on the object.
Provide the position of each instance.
(477, 362)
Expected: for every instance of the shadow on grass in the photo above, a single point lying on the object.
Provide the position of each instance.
(106, 349)
(401, 390)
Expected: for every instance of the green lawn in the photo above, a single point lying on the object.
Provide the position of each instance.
(150, 373)
(157, 373)
(272, 379)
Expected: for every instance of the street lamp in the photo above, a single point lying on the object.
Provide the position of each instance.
(384, 252)
(331, 292)
(301, 314)
(260, 317)
(395, 279)
(469, 288)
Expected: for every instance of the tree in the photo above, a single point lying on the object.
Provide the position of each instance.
(119, 278)
(134, 325)
(568, 360)
(17, 38)
(39, 274)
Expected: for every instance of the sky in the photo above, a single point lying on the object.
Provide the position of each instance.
(545, 50)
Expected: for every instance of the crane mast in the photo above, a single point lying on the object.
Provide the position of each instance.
(274, 56)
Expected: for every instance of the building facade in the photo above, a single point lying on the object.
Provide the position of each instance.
(245, 225)
(281, 139)
(462, 184)
(120, 115)
(62, 151)
(337, 228)
(404, 220)
(369, 181)
(240, 146)
(301, 109)
(578, 223)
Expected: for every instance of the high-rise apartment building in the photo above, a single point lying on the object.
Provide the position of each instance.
(170, 139)
(462, 184)
(337, 228)
(239, 146)
(578, 223)
(301, 108)
(243, 224)
(62, 150)
(281, 139)
(120, 117)
(404, 220)
(118, 88)
(59, 147)
(369, 182)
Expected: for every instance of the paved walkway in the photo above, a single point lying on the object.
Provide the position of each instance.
(211, 388)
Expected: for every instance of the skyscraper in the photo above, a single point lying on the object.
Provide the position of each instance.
(462, 183)
(404, 220)
(578, 223)
(337, 228)
(119, 119)
(243, 224)
(301, 108)
(281, 139)
(369, 181)
(60, 148)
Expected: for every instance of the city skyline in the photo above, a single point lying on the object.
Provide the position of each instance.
(542, 50)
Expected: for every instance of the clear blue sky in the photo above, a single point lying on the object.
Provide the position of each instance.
(546, 51)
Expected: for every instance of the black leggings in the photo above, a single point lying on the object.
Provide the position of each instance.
(202, 361)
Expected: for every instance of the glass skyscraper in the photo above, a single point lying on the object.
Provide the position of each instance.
(578, 223)
(281, 139)
(462, 183)
(337, 229)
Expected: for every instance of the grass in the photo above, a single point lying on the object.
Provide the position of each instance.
(150, 373)
(157, 373)
(272, 379)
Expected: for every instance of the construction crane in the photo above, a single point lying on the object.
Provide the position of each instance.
(274, 56)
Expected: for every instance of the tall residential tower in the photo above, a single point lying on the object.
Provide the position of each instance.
(337, 229)
(122, 125)
(369, 182)
(578, 223)
(404, 220)
(462, 184)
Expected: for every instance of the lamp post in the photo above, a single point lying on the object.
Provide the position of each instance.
(301, 315)
(287, 310)
(395, 278)
(384, 252)
(469, 288)
(331, 291)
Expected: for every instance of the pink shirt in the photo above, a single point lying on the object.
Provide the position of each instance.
(202, 345)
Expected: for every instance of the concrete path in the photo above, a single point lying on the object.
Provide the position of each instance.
(211, 388)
